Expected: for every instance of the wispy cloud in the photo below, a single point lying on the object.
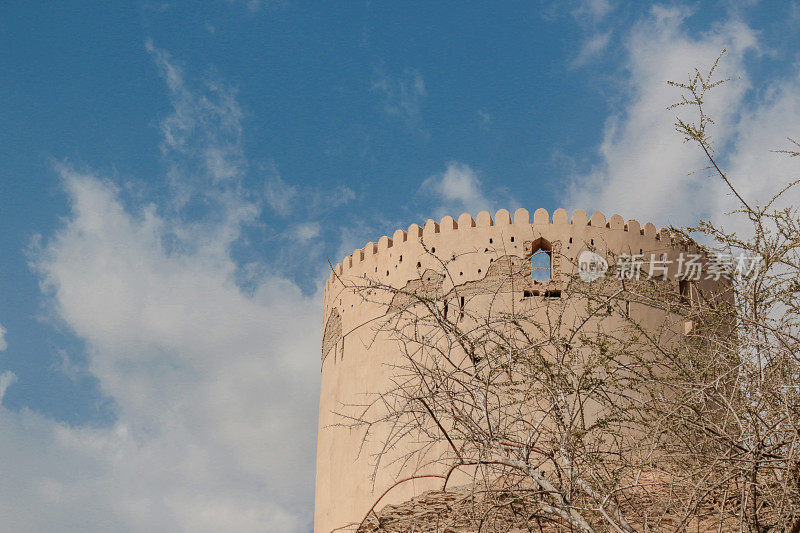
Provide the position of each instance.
(252, 5)
(7, 379)
(203, 136)
(593, 47)
(278, 193)
(592, 11)
(305, 231)
(593, 17)
(284, 198)
(402, 96)
(67, 366)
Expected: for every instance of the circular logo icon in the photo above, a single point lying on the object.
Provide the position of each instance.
(591, 266)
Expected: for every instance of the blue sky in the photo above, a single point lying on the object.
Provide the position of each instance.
(175, 176)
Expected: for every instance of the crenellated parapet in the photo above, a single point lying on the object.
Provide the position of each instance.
(502, 223)
(467, 247)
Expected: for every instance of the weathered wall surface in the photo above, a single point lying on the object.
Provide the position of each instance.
(355, 363)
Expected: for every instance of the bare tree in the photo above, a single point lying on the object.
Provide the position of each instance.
(581, 413)
(758, 439)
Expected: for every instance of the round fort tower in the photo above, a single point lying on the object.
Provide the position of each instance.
(356, 363)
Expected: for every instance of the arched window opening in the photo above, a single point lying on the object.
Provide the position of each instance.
(541, 265)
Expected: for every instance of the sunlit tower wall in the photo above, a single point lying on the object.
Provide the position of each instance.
(356, 364)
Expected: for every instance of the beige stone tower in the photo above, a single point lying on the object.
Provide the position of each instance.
(354, 363)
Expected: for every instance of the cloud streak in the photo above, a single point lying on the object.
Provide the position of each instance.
(402, 96)
(592, 48)
(3, 344)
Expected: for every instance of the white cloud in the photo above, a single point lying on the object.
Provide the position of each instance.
(67, 366)
(591, 15)
(339, 196)
(253, 5)
(215, 390)
(305, 231)
(278, 193)
(458, 189)
(403, 96)
(593, 10)
(7, 379)
(645, 168)
(593, 48)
